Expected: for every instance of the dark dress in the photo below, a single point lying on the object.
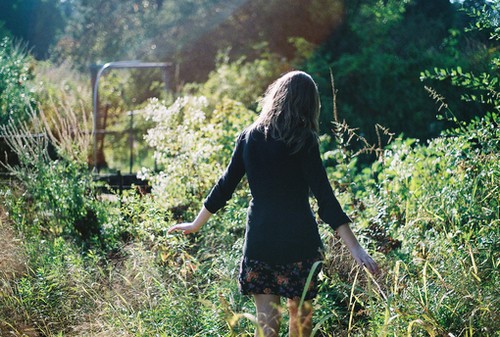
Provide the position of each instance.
(282, 239)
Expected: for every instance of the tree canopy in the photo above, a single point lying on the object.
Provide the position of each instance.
(376, 50)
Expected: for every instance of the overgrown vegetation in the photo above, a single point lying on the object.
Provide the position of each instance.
(76, 262)
(16, 71)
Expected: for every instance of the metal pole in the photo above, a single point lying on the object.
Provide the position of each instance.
(94, 70)
(131, 139)
(95, 87)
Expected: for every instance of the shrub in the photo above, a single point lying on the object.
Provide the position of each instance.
(52, 294)
(192, 145)
(241, 80)
(57, 190)
(16, 73)
(439, 201)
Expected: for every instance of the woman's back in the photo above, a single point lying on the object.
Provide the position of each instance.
(274, 174)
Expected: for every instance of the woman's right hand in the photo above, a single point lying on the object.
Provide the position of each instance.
(359, 254)
(364, 259)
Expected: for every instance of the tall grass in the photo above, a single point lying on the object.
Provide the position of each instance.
(429, 213)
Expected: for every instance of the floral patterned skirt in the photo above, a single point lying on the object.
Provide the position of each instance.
(286, 280)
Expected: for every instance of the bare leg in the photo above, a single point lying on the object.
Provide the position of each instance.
(268, 314)
(300, 320)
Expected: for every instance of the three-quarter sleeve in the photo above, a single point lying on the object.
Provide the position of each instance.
(227, 183)
(330, 210)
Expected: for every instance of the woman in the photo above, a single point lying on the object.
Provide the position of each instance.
(280, 155)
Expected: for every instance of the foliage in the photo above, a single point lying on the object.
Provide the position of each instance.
(190, 33)
(45, 18)
(61, 85)
(104, 31)
(484, 17)
(241, 80)
(56, 190)
(438, 202)
(477, 86)
(51, 294)
(438, 199)
(192, 144)
(428, 211)
(373, 47)
(252, 24)
(16, 73)
(419, 194)
(50, 201)
(377, 56)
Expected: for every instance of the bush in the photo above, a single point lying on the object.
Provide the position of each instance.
(437, 200)
(16, 72)
(241, 80)
(192, 145)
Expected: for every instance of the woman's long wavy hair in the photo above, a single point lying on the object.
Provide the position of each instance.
(290, 110)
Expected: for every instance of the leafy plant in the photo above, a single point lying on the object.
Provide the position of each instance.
(16, 96)
(192, 144)
(242, 80)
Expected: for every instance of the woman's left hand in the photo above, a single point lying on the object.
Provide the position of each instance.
(192, 227)
(186, 228)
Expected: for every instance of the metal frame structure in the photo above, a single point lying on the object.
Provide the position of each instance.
(98, 70)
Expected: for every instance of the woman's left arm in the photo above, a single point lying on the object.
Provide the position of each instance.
(193, 227)
(359, 254)
(220, 194)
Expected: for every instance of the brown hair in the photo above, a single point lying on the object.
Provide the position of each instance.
(290, 110)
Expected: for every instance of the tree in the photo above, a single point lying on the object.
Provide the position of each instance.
(37, 22)
(478, 85)
(376, 58)
(190, 33)
(262, 26)
(103, 31)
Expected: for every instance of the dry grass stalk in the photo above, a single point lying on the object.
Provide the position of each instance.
(345, 134)
(437, 97)
(134, 283)
(12, 257)
(12, 266)
(69, 131)
(29, 143)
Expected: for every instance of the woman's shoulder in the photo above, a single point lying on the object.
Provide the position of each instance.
(309, 141)
(310, 137)
(250, 133)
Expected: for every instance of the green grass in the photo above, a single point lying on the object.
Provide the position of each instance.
(428, 213)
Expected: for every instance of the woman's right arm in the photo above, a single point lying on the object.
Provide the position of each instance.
(329, 208)
(359, 254)
(227, 183)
